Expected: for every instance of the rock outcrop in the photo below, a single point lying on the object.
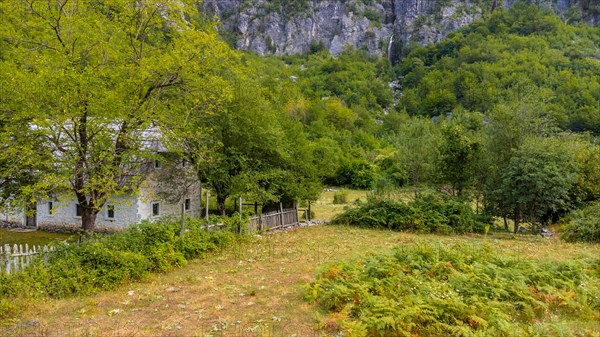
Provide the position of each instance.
(382, 27)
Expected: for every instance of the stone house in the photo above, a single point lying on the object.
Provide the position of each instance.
(151, 202)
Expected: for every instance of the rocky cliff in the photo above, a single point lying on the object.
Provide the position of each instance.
(382, 27)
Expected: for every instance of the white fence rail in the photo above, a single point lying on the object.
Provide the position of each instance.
(17, 257)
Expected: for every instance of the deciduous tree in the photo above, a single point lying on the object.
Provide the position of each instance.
(101, 75)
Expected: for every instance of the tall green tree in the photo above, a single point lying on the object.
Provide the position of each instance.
(101, 75)
(251, 146)
(508, 126)
(538, 179)
(418, 143)
(459, 152)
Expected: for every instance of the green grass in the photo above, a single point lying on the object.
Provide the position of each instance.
(12, 237)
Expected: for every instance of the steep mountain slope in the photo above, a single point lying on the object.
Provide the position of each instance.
(382, 27)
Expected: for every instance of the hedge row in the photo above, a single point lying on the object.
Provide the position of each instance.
(107, 261)
(428, 213)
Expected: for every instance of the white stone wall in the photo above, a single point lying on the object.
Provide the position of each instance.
(154, 184)
(64, 212)
(128, 209)
(148, 196)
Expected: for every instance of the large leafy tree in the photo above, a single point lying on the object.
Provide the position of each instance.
(538, 179)
(418, 143)
(459, 153)
(508, 126)
(100, 75)
(256, 150)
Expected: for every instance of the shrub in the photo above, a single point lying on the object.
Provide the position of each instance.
(372, 15)
(6, 308)
(356, 173)
(428, 213)
(584, 225)
(340, 198)
(435, 290)
(303, 215)
(106, 261)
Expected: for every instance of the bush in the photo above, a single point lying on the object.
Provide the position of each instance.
(356, 173)
(6, 308)
(340, 198)
(584, 225)
(436, 290)
(303, 215)
(107, 261)
(428, 213)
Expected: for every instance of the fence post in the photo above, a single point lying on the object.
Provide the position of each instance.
(207, 207)
(296, 216)
(281, 214)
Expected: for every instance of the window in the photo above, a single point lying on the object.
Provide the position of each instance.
(186, 204)
(77, 210)
(155, 209)
(157, 164)
(110, 211)
(50, 207)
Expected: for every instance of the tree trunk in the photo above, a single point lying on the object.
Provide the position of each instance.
(221, 204)
(182, 218)
(88, 219)
(517, 218)
(200, 210)
(505, 222)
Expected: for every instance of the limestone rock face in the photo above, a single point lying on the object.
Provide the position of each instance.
(382, 27)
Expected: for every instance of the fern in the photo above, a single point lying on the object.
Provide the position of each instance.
(431, 289)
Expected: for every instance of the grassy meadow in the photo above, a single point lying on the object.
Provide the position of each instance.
(258, 286)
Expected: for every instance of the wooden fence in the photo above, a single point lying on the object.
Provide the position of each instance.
(18, 257)
(274, 220)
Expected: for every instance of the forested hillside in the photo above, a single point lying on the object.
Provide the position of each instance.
(505, 110)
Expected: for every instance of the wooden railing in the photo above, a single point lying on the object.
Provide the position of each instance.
(18, 257)
(274, 220)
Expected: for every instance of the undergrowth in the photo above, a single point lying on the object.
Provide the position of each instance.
(427, 213)
(584, 225)
(107, 261)
(432, 290)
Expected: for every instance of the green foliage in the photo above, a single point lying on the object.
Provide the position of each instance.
(356, 173)
(312, 215)
(6, 308)
(89, 82)
(459, 152)
(584, 224)
(372, 14)
(340, 198)
(495, 60)
(288, 8)
(538, 179)
(105, 262)
(427, 213)
(429, 289)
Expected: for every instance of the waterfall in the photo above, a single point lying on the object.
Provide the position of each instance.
(389, 50)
